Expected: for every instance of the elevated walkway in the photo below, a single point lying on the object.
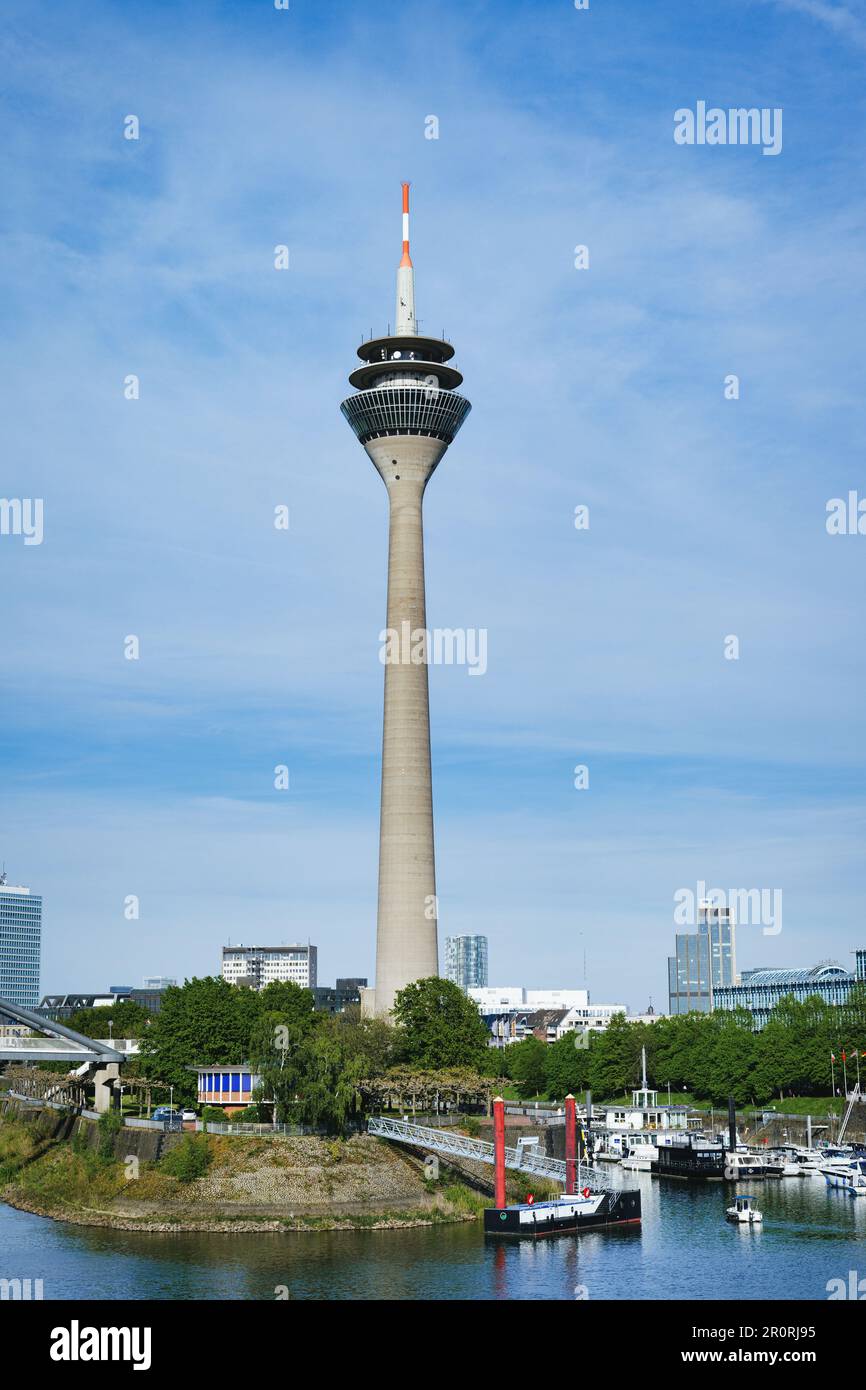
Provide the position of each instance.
(523, 1158)
(61, 1045)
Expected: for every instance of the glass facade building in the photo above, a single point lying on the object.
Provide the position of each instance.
(760, 990)
(20, 945)
(705, 962)
(466, 961)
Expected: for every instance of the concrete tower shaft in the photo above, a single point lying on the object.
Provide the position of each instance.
(405, 413)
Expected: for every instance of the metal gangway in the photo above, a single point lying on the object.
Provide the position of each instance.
(853, 1099)
(524, 1157)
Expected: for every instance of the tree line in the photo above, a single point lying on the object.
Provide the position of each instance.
(312, 1063)
(711, 1056)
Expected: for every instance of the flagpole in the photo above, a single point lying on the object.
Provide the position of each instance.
(832, 1075)
(844, 1075)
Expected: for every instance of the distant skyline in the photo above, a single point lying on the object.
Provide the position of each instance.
(601, 387)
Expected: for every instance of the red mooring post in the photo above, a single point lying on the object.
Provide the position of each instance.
(499, 1152)
(570, 1146)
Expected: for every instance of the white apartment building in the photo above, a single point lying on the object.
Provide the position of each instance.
(514, 999)
(258, 966)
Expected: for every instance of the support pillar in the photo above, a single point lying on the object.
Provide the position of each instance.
(570, 1146)
(499, 1198)
(104, 1080)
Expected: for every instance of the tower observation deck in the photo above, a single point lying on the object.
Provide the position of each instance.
(405, 412)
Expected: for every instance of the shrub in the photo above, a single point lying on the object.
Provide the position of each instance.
(109, 1126)
(190, 1160)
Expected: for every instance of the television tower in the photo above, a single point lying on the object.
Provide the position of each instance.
(405, 414)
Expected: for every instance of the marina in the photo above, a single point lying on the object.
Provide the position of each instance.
(811, 1235)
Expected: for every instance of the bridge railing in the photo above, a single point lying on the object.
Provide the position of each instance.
(523, 1158)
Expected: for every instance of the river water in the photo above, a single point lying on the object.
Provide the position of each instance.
(684, 1249)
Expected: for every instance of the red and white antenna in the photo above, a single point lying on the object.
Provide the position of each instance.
(406, 258)
(405, 317)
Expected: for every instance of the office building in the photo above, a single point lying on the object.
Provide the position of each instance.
(466, 961)
(257, 966)
(705, 961)
(339, 998)
(20, 944)
(761, 990)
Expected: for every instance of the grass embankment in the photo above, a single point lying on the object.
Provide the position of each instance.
(217, 1182)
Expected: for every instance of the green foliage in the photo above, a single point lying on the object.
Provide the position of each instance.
(205, 1020)
(712, 1056)
(255, 1114)
(567, 1067)
(438, 1026)
(127, 1019)
(314, 1078)
(215, 1113)
(108, 1126)
(527, 1064)
(189, 1160)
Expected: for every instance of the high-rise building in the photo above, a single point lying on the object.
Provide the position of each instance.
(466, 961)
(705, 961)
(257, 966)
(20, 944)
(405, 413)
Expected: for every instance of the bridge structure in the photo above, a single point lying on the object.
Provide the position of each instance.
(95, 1061)
(524, 1157)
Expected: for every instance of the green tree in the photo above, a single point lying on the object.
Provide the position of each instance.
(615, 1057)
(190, 1159)
(438, 1026)
(203, 1020)
(567, 1066)
(127, 1018)
(527, 1066)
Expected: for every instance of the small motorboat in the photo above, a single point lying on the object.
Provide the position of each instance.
(744, 1211)
(780, 1164)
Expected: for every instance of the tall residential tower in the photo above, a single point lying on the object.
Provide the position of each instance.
(405, 413)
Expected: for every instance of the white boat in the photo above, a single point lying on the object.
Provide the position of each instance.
(744, 1211)
(851, 1176)
(780, 1164)
(744, 1165)
(808, 1162)
(641, 1156)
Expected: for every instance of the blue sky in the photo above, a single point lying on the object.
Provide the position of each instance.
(601, 387)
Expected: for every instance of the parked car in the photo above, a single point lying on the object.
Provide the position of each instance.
(172, 1119)
(189, 1115)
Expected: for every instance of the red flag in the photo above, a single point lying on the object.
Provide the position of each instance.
(844, 1058)
(833, 1056)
